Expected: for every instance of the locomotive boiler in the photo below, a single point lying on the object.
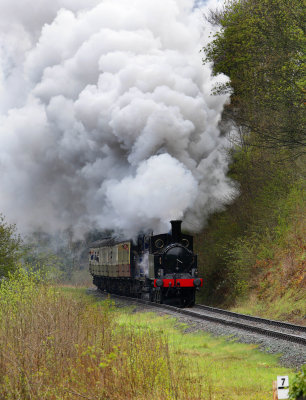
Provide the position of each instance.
(160, 268)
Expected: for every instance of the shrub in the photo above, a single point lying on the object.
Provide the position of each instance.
(298, 387)
(54, 345)
(10, 247)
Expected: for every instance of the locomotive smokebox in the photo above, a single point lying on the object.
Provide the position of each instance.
(176, 231)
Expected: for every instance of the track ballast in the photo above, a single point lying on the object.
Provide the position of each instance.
(274, 329)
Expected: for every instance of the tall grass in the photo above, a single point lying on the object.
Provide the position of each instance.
(55, 346)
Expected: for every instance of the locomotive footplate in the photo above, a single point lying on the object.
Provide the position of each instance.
(179, 283)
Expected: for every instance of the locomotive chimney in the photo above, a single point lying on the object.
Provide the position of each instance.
(176, 231)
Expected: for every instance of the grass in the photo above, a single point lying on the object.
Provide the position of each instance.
(289, 307)
(59, 344)
(224, 369)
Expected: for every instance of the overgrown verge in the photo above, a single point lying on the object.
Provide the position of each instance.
(252, 255)
(57, 346)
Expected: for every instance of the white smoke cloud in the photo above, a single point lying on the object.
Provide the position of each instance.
(107, 120)
(129, 197)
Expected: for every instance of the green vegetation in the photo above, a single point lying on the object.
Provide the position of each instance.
(58, 254)
(64, 257)
(218, 365)
(61, 344)
(10, 247)
(298, 387)
(261, 48)
(56, 343)
(252, 255)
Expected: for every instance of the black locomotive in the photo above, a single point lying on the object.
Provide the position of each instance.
(161, 268)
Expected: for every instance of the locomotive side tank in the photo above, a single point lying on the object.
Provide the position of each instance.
(160, 268)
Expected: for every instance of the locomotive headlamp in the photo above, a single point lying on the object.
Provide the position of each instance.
(159, 282)
(197, 282)
(159, 243)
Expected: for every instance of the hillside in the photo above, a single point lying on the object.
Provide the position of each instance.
(253, 253)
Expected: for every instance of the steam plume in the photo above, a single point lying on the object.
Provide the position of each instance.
(106, 116)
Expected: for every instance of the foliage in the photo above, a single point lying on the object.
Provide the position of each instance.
(261, 47)
(218, 363)
(256, 247)
(57, 346)
(298, 386)
(59, 254)
(60, 344)
(10, 247)
(64, 257)
(254, 250)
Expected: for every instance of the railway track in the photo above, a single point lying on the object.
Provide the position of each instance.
(277, 329)
(270, 328)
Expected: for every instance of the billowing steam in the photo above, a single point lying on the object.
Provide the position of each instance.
(106, 116)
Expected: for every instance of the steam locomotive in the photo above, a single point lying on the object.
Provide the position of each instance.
(160, 268)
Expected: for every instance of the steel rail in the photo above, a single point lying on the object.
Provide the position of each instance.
(240, 325)
(272, 322)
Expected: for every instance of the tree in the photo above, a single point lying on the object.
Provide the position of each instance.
(10, 247)
(261, 47)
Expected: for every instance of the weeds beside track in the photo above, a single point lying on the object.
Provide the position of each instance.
(60, 344)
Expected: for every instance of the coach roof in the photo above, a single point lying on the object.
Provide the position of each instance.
(106, 242)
